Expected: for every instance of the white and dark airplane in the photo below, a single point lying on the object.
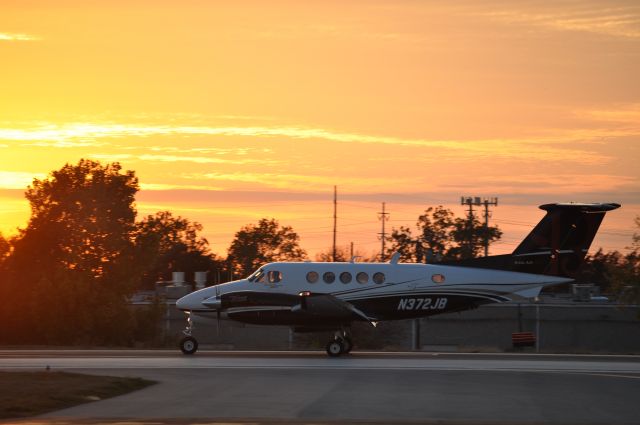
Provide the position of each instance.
(313, 296)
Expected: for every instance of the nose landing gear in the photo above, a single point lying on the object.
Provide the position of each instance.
(188, 344)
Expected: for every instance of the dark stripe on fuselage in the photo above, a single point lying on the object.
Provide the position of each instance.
(389, 307)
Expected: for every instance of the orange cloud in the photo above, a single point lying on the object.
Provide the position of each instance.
(593, 18)
(550, 148)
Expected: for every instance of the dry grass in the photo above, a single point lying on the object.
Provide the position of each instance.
(32, 393)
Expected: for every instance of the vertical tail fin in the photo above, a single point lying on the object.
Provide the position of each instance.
(560, 241)
(556, 246)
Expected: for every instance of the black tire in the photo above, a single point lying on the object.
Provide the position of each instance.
(348, 345)
(188, 345)
(335, 347)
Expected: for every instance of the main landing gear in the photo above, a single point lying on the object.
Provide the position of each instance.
(340, 344)
(188, 344)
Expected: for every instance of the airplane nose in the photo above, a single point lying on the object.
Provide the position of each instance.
(189, 302)
(181, 304)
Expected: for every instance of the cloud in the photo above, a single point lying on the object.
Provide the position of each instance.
(557, 183)
(593, 18)
(628, 115)
(554, 147)
(181, 187)
(294, 181)
(4, 36)
(18, 179)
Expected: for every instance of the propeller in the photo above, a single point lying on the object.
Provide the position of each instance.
(218, 311)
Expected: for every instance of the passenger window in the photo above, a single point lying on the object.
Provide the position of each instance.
(312, 277)
(437, 278)
(274, 276)
(362, 277)
(345, 277)
(329, 277)
(378, 278)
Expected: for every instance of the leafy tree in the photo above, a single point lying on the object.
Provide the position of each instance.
(625, 276)
(440, 236)
(469, 236)
(165, 243)
(597, 268)
(72, 267)
(266, 242)
(84, 215)
(5, 248)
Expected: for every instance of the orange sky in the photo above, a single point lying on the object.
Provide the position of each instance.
(233, 111)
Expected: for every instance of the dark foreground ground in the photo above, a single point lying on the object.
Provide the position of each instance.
(309, 388)
(29, 393)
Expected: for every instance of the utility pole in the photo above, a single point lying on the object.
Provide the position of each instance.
(383, 217)
(335, 219)
(351, 250)
(477, 201)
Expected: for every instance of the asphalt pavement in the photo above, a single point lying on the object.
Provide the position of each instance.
(309, 387)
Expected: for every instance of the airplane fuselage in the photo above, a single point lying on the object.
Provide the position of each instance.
(326, 295)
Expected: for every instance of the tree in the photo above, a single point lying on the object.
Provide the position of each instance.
(343, 253)
(596, 268)
(166, 243)
(5, 248)
(266, 242)
(439, 236)
(625, 276)
(469, 236)
(72, 267)
(83, 215)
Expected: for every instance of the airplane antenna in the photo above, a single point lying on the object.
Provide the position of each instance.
(383, 217)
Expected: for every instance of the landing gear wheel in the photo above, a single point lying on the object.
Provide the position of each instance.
(188, 345)
(335, 348)
(348, 345)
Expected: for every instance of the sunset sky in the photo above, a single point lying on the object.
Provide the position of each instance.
(233, 111)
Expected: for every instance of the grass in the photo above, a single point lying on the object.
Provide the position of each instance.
(32, 393)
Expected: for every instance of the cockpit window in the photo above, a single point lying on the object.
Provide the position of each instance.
(256, 275)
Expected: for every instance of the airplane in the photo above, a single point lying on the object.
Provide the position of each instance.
(330, 296)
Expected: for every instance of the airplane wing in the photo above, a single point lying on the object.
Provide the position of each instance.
(328, 306)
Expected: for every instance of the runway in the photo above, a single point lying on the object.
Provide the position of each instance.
(306, 387)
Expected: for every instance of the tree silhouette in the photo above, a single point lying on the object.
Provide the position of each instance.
(439, 236)
(625, 273)
(72, 267)
(5, 248)
(266, 242)
(343, 253)
(166, 243)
